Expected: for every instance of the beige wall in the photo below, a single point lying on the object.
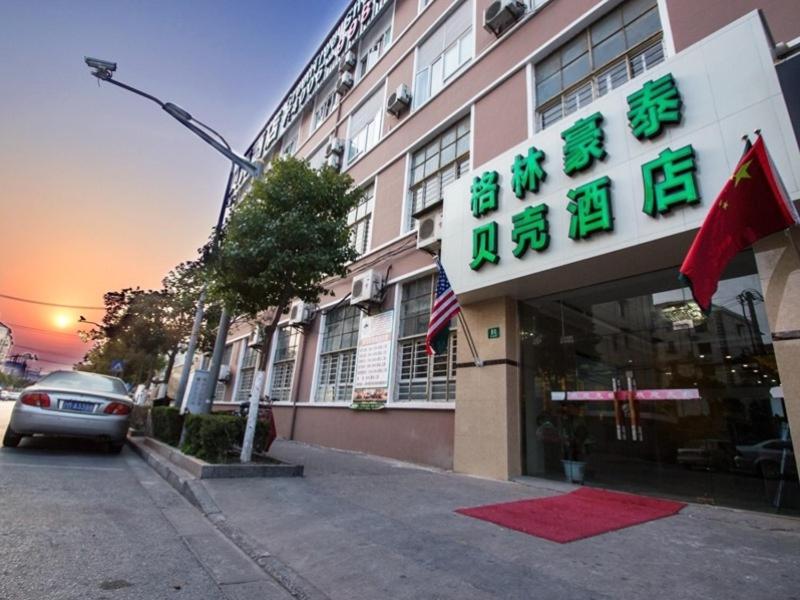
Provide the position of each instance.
(779, 270)
(487, 424)
(389, 195)
(501, 120)
(692, 20)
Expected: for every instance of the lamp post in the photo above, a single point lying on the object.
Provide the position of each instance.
(103, 71)
(83, 319)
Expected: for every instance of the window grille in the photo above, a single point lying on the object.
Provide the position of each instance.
(338, 356)
(423, 378)
(283, 364)
(620, 46)
(438, 164)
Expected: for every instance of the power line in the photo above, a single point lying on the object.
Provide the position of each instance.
(47, 331)
(43, 303)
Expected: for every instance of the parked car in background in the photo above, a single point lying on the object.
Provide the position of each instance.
(72, 404)
(708, 454)
(769, 458)
(9, 395)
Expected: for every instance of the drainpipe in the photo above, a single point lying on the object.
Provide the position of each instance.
(296, 383)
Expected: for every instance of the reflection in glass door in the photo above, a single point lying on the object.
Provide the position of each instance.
(645, 393)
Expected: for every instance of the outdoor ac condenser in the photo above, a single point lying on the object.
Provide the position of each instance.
(502, 14)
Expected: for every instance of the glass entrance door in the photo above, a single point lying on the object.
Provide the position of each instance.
(632, 380)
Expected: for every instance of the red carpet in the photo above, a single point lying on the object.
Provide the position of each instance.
(575, 516)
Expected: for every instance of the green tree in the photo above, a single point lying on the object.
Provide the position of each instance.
(280, 242)
(181, 290)
(132, 331)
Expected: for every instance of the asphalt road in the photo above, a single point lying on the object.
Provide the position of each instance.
(78, 523)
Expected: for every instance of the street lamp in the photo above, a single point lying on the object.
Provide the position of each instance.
(104, 70)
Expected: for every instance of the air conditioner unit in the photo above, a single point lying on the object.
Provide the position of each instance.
(335, 146)
(345, 83)
(502, 14)
(399, 101)
(348, 62)
(256, 341)
(367, 288)
(429, 229)
(334, 161)
(301, 313)
(224, 374)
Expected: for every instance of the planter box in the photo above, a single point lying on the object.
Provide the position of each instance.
(203, 470)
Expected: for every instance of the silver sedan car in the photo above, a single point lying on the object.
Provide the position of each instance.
(72, 404)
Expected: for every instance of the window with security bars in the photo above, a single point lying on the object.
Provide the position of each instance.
(438, 164)
(338, 355)
(280, 388)
(247, 373)
(423, 378)
(219, 390)
(620, 46)
(359, 221)
(325, 102)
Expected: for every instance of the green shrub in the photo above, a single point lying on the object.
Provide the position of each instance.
(210, 437)
(167, 423)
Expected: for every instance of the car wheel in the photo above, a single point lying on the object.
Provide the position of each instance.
(769, 470)
(11, 439)
(115, 447)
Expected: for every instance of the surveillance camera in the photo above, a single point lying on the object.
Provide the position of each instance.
(100, 65)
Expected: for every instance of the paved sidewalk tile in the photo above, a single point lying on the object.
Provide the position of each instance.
(360, 527)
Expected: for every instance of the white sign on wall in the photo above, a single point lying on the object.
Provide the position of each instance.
(728, 87)
(372, 358)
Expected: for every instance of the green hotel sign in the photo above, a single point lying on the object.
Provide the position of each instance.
(667, 181)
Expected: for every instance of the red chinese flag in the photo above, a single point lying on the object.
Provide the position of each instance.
(752, 205)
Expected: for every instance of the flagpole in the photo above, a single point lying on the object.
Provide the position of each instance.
(470, 340)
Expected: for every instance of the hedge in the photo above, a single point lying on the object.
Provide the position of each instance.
(167, 423)
(210, 437)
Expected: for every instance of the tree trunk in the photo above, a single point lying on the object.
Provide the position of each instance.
(170, 364)
(258, 387)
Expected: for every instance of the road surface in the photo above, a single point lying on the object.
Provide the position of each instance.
(78, 523)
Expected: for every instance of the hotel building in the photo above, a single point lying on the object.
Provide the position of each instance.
(559, 155)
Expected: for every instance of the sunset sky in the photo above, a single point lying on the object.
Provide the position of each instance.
(101, 189)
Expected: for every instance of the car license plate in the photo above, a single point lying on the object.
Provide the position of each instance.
(76, 405)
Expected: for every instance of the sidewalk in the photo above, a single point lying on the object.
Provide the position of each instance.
(359, 527)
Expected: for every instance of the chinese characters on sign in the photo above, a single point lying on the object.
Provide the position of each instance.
(667, 180)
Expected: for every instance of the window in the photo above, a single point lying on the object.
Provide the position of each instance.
(289, 144)
(422, 377)
(219, 390)
(620, 46)
(443, 54)
(324, 103)
(283, 364)
(317, 160)
(438, 164)
(375, 42)
(247, 372)
(338, 355)
(365, 125)
(359, 221)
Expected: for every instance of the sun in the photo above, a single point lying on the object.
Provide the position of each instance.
(62, 321)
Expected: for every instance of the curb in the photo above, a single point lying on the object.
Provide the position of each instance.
(193, 490)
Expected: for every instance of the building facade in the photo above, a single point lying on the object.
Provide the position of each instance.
(6, 341)
(559, 155)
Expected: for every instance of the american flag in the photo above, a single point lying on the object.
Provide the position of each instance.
(445, 307)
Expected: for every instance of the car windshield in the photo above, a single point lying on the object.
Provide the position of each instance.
(89, 382)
